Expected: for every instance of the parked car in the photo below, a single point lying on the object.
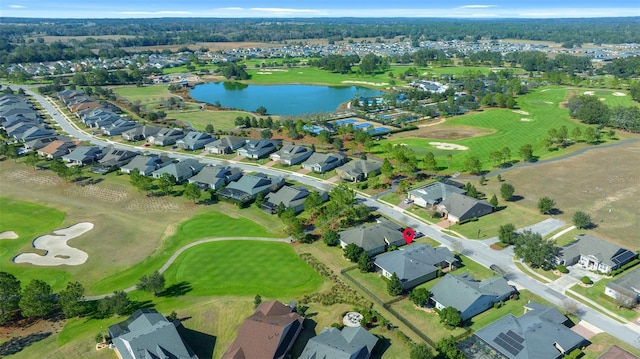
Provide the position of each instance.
(408, 200)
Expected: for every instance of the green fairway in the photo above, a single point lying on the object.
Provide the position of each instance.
(243, 268)
(538, 112)
(311, 75)
(28, 220)
(206, 225)
(221, 120)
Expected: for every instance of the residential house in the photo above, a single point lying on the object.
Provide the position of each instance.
(114, 159)
(358, 170)
(373, 239)
(56, 149)
(140, 133)
(290, 197)
(627, 286)
(66, 95)
(10, 120)
(539, 333)
(248, 186)
(195, 140)
(215, 177)
(594, 254)
(119, 126)
(415, 264)
(333, 343)
(433, 193)
(459, 208)
(468, 296)
(268, 333)
(33, 133)
(324, 162)
(148, 334)
(145, 164)
(225, 145)
(84, 105)
(166, 136)
(181, 171)
(257, 149)
(291, 155)
(84, 155)
(41, 142)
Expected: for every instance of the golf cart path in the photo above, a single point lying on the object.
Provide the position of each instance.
(177, 253)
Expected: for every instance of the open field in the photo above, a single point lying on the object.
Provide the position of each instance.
(602, 182)
(493, 129)
(128, 226)
(230, 268)
(145, 94)
(221, 120)
(310, 75)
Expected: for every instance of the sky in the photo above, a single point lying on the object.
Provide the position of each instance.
(315, 8)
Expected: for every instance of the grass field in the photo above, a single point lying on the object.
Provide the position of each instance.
(204, 225)
(221, 120)
(601, 183)
(145, 94)
(229, 268)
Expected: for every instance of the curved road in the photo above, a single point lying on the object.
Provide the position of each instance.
(177, 253)
(477, 250)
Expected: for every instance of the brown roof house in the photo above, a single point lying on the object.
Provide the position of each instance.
(267, 334)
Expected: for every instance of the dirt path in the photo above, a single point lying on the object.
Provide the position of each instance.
(177, 253)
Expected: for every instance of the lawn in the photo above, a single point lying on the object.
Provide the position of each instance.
(18, 216)
(145, 94)
(488, 225)
(204, 225)
(596, 293)
(427, 323)
(229, 268)
(221, 120)
(494, 129)
(602, 342)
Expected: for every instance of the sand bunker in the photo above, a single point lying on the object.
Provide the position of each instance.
(548, 102)
(520, 112)
(619, 94)
(57, 250)
(589, 93)
(8, 235)
(448, 146)
(365, 83)
(601, 99)
(525, 120)
(264, 73)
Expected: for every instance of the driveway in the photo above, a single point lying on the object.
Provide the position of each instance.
(545, 227)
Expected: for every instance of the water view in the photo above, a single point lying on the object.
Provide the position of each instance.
(278, 99)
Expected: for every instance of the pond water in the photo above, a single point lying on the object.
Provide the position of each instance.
(279, 99)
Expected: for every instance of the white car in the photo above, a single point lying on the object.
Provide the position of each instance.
(408, 200)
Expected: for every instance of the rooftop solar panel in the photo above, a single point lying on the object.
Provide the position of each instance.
(515, 336)
(506, 346)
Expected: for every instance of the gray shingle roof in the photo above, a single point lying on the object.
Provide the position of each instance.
(373, 236)
(461, 291)
(414, 261)
(360, 167)
(608, 253)
(149, 335)
(530, 336)
(435, 192)
(331, 343)
(465, 207)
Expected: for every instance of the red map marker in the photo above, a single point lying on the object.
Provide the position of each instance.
(408, 235)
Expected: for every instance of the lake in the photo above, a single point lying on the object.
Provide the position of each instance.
(279, 99)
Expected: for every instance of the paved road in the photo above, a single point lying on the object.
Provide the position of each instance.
(477, 250)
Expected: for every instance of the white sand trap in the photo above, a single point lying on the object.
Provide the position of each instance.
(589, 93)
(365, 83)
(8, 235)
(58, 251)
(545, 90)
(448, 146)
(601, 99)
(549, 102)
(264, 73)
(619, 94)
(520, 112)
(526, 119)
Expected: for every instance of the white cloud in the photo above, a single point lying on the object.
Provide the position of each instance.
(475, 6)
(17, 6)
(231, 8)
